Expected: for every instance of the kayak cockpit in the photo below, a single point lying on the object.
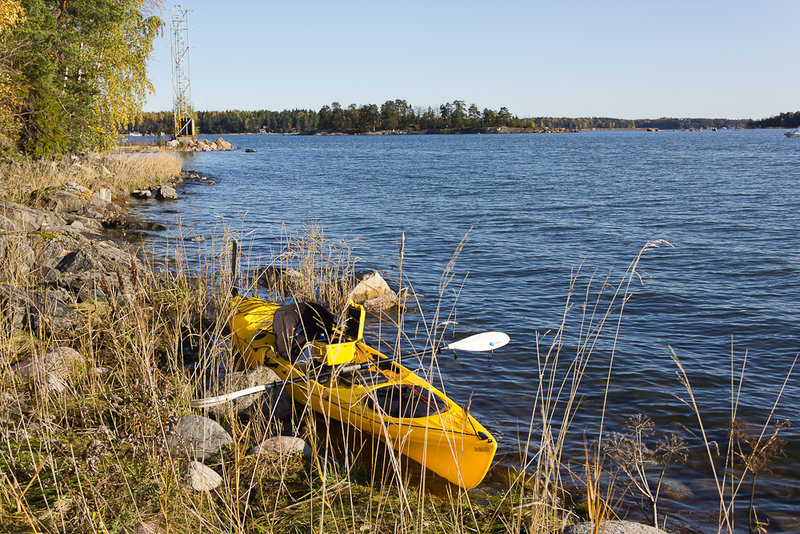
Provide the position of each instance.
(405, 401)
(292, 329)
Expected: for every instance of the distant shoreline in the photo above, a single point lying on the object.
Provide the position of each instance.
(494, 130)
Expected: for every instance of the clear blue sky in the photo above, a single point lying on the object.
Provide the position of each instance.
(633, 59)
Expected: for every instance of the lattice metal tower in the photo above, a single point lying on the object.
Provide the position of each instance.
(181, 85)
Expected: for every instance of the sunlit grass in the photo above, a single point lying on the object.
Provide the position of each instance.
(121, 174)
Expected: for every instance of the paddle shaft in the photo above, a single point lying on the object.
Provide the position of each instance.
(214, 401)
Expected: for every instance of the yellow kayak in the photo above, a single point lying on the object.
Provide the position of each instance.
(327, 366)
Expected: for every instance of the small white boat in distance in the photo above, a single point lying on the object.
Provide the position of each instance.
(793, 133)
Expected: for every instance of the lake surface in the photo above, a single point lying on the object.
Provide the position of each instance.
(541, 207)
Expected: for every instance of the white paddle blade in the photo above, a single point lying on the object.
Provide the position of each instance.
(481, 342)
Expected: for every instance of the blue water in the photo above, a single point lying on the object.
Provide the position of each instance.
(542, 207)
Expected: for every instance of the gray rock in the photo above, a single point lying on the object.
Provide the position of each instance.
(6, 224)
(88, 223)
(147, 527)
(283, 446)
(88, 268)
(16, 250)
(89, 292)
(203, 478)
(71, 200)
(143, 194)
(380, 304)
(99, 372)
(186, 142)
(280, 279)
(675, 489)
(166, 192)
(75, 262)
(223, 144)
(54, 368)
(198, 437)
(27, 219)
(104, 194)
(613, 527)
(37, 309)
(371, 285)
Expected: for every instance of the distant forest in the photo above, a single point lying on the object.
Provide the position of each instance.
(784, 120)
(399, 115)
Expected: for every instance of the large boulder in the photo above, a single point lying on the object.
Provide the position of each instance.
(197, 437)
(223, 144)
(613, 527)
(374, 293)
(54, 368)
(186, 141)
(37, 310)
(370, 285)
(205, 145)
(166, 192)
(26, 219)
(88, 268)
(71, 201)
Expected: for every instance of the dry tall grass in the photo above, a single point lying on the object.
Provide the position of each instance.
(95, 459)
(121, 174)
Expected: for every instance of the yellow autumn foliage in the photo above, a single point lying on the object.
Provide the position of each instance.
(11, 14)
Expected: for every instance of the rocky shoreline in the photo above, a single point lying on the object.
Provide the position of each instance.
(65, 253)
(489, 130)
(66, 250)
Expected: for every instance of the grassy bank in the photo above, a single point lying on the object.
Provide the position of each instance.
(93, 455)
(121, 173)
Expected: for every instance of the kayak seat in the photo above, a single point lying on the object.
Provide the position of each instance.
(405, 401)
